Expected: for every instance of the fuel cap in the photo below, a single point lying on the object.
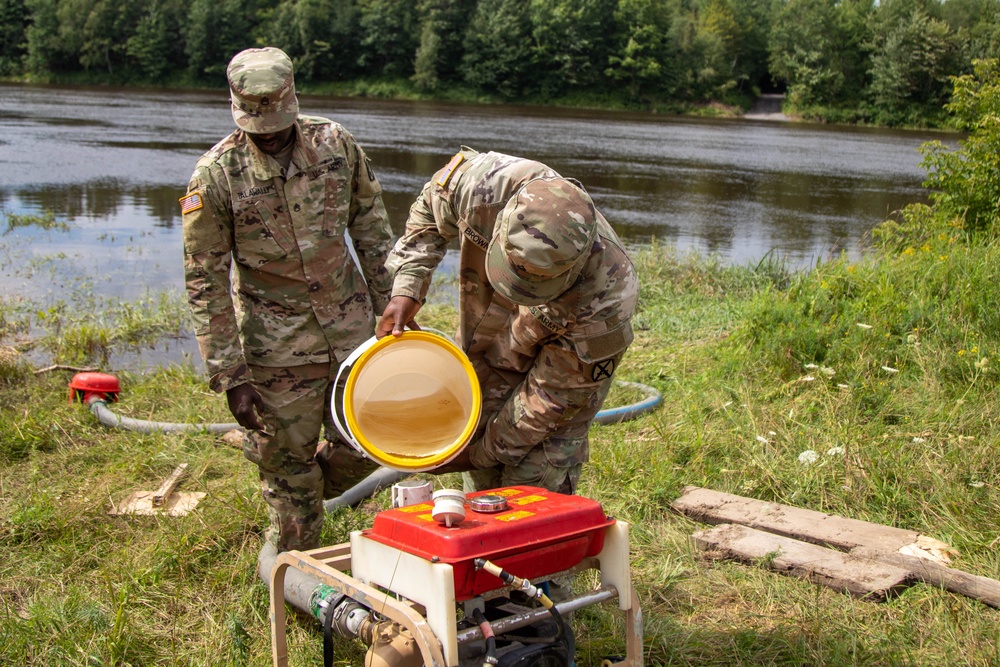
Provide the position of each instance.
(488, 504)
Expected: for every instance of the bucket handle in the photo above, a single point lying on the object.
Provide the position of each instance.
(345, 432)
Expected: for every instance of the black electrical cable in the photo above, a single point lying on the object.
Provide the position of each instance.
(491, 640)
(328, 638)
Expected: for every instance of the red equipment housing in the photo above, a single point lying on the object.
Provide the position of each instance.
(541, 533)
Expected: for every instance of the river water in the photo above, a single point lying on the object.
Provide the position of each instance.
(112, 163)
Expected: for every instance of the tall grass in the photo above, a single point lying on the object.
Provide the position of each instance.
(756, 366)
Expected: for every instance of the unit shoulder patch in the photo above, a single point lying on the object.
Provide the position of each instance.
(603, 370)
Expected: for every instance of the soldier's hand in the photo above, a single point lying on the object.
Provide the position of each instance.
(398, 315)
(245, 404)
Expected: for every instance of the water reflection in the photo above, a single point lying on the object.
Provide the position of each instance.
(116, 161)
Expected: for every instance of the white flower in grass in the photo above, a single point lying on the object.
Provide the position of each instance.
(763, 440)
(845, 387)
(811, 367)
(825, 370)
(808, 457)
(835, 451)
(890, 369)
(977, 485)
(864, 326)
(918, 439)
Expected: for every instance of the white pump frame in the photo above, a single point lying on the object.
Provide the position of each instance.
(428, 608)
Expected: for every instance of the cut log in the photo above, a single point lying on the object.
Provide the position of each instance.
(861, 576)
(715, 507)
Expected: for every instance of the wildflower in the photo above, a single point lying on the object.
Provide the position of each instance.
(913, 339)
(918, 439)
(890, 369)
(977, 485)
(829, 372)
(961, 353)
(909, 251)
(864, 326)
(835, 451)
(810, 367)
(762, 439)
(771, 433)
(845, 387)
(806, 378)
(983, 364)
(808, 457)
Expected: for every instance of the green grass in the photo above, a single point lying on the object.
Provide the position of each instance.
(756, 365)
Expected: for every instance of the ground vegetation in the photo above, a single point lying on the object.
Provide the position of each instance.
(864, 387)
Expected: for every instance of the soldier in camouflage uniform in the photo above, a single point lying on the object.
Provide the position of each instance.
(546, 296)
(265, 217)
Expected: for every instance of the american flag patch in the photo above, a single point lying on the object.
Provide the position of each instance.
(450, 169)
(190, 202)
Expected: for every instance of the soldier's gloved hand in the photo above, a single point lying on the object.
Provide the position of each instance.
(398, 315)
(245, 404)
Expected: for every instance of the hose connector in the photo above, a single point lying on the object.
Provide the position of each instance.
(515, 582)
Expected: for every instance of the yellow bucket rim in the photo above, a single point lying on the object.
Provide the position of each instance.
(408, 462)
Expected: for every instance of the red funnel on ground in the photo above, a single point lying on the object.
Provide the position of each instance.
(88, 387)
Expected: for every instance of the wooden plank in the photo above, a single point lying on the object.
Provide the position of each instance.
(861, 576)
(715, 507)
(984, 589)
(168, 486)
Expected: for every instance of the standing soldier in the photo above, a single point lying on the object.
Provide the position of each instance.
(546, 296)
(268, 208)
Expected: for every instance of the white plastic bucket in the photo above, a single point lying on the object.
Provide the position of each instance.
(410, 403)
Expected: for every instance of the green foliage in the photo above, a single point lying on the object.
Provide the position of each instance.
(494, 48)
(913, 55)
(817, 47)
(643, 61)
(389, 36)
(13, 35)
(442, 30)
(45, 220)
(966, 182)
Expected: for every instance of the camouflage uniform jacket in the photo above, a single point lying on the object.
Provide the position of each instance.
(299, 296)
(547, 369)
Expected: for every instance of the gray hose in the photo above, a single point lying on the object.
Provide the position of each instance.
(109, 418)
(382, 478)
(299, 585)
(386, 477)
(651, 400)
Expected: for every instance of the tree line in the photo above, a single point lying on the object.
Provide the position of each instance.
(887, 62)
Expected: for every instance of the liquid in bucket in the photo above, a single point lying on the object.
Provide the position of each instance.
(413, 427)
(409, 403)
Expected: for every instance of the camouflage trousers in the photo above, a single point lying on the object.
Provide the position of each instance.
(534, 470)
(554, 464)
(296, 471)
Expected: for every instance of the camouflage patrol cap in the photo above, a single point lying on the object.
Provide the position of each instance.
(262, 89)
(546, 232)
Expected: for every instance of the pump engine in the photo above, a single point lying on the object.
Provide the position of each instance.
(472, 590)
